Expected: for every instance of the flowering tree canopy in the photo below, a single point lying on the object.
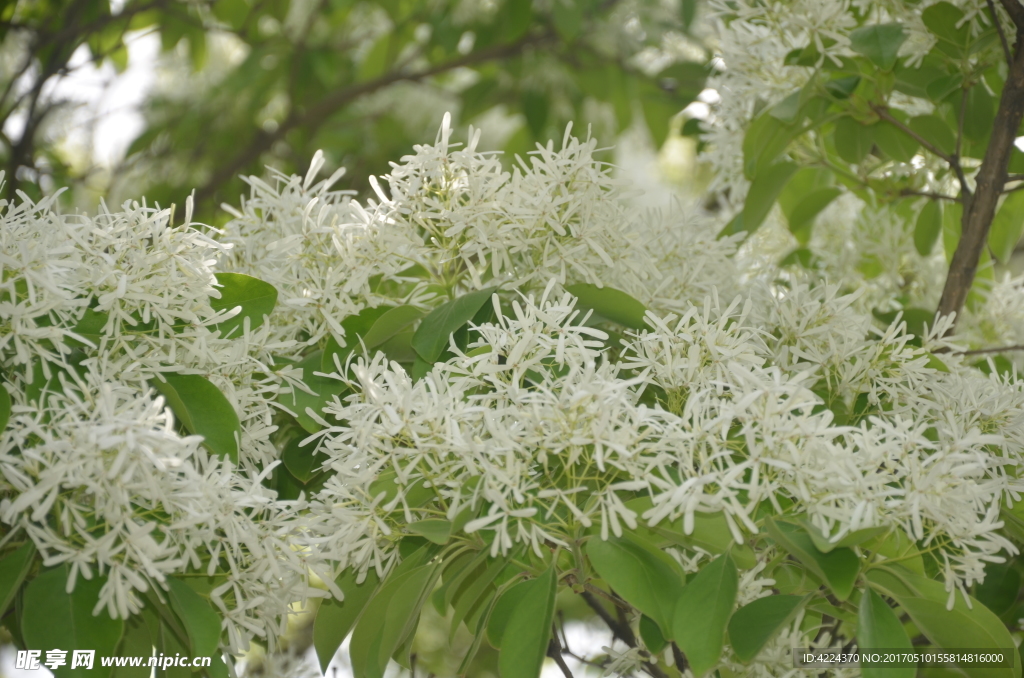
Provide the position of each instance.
(493, 390)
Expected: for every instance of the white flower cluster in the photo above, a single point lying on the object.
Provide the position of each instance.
(93, 468)
(741, 397)
(537, 434)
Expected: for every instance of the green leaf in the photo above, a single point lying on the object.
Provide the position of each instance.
(979, 113)
(13, 569)
(897, 546)
(433, 334)
(89, 327)
(802, 218)
(880, 43)
(568, 17)
(928, 227)
(54, 619)
(639, 574)
(838, 568)
(535, 109)
(843, 86)
(702, 612)
(787, 109)
(200, 620)
(654, 639)
(204, 411)
(473, 592)
(524, 642)
(5, 408)
(503, 609)
(894, 142)
(925, 601)
(998, 591)
(136, 642)
(804, 181)
(254, 298)
(823, 542)
(355, 326)
(610, 303)
(878, 627)
(391, 323)
(301, 461)
(853, 140)
(756, 623)
(944, 21)
(435, 529)
(941, 88)
(952, 216)
(764, 191)
(1007, 227)
(390, 617)
(935, 130)
(376, 61)
(765, 139)
(334, 619)
(324, 389)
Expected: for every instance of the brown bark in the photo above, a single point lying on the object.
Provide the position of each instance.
(980, 208)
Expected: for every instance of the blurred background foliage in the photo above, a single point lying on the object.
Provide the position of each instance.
(243, 84)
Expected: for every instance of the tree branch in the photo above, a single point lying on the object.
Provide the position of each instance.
(928, 194)
(884, 114)
(555, 652)
(989, 181)
(620, 631)
(995, 349)
(1016, 12)
(317, 114)
(999, 28)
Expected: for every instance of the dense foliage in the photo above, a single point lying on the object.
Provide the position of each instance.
(498, 391)
(248, 83)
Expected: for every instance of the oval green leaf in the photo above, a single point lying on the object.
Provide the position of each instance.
(853, 140)
(928, 227)
(254, 298)
(613, 304)
(878, 627)
(5, 408)
(838, 568)
(880, 43)
(639, 574)
(524, 642)
(204, 411)
(13, 569)
(391, 323)
(54, 619)
(334, 618)
(702, 612)
(201, 621)
(756, 623)
(1007, 227)
(433, 334)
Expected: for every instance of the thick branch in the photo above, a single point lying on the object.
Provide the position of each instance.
(316, 115)
(989, 183)
(1016, 12)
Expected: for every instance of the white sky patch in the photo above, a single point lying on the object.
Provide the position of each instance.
(107, 115)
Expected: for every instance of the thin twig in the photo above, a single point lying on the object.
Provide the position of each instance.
(620, 631)
(884, 114)
(555, 652)
(933, 196)
(1002, 35)
(996, 349)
